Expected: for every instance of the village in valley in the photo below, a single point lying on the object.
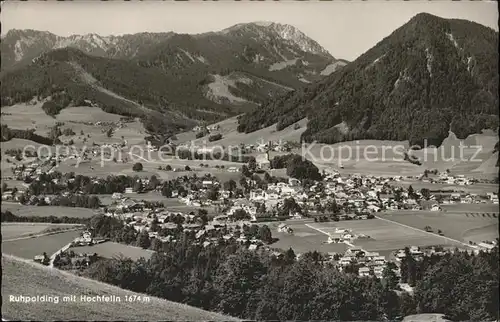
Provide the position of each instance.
(241, 171)
(363, 223)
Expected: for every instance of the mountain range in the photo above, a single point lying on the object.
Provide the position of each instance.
(428, 77)
(178, 79)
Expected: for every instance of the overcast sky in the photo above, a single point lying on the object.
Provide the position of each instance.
(345, 28)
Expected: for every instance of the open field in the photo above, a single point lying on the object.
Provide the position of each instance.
(42, 211)
(476, 149)
(376, 157)
(456, 225)
(15, 230)
(480, 234)
(149, 196)
(11, 230)
(425, 317)
(471, 208)
(112, 249)
(21, 143)
(385, 235)
(373, 157)
(303, 239)
(30, 247)
(378, 160)
(25, 116)
(472, 156)
(31, 279)
(162, 160)
(15, 184)
(173, 204)
(478, 188)
(231, 137)
(86, 114)
(97, 168)
(93, 167)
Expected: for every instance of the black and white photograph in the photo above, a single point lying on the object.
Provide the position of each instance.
(250, 160)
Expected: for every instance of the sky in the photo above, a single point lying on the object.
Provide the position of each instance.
(345, 28)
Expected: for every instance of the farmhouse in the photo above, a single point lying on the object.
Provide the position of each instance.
(85, 239)
(354, 251)
(435, 207)
(335, 238)
(283, 228)
(117, 196)
(377, 271)
(257, 195)
(207, 183)
(346, 260)
(42, 259)
(486, 246)
(263, 161)
(8, 195)
(364, 271)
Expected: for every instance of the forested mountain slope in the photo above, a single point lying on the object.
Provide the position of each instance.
(429, 76)
(184, 78)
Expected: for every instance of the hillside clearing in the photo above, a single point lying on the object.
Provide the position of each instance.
(26, 116)
(87, 78)
(219, 88)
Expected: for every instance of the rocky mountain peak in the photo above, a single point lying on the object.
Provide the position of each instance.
(287, 32)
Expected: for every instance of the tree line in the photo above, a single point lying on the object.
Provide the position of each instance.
(8, 216)
(296, 166)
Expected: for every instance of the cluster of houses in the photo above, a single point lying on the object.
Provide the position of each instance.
(356, 196)
(210, 233)
(373, 264)
(86, 239)
(75, 260)
(447, 178)
(418, 253)
(360, 195)
(487, 245)
(12, 195)
(33, 169)
(470, 198)
(209, 128)
(266, 146)
(368, 263)
(340, 235)
(493, 197)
